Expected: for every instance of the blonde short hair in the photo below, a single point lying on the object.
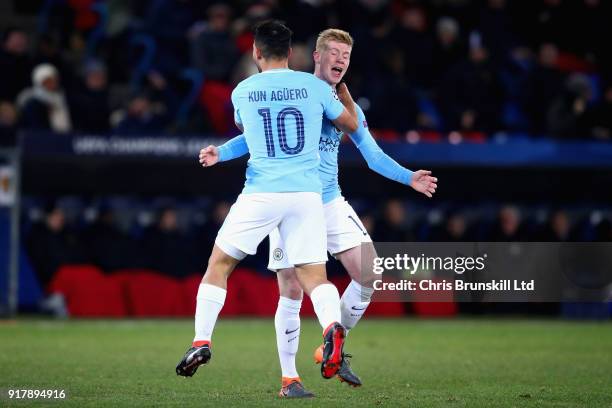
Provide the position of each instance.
(333, 34)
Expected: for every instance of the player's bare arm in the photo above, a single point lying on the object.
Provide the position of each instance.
(347, 121)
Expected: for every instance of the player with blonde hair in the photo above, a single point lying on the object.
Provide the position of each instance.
(347, 239)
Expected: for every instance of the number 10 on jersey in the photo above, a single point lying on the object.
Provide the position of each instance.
(280, 129)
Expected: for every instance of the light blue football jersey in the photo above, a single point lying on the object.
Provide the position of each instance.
(282, 113)
(377, 160)
(329, 145)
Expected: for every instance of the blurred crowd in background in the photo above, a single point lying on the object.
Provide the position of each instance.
(168, 66)
(175, 237)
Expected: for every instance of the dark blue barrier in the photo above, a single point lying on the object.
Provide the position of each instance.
(513, 151)
(29, 290)
(512, 169)
(510, 151)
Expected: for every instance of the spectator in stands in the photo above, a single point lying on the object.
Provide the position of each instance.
(8, 122)
(51, 243)
(392, 226)
(557, 228)
(49, 51)
(213, 49)
(107, 246)
(454, 230)
(84, 18)
(44, 106)
(497, 30)
(448, 48)
(599, 117)
(15, 64)
(374, 41)
(169, 22)
(595, 31)
(301, 58)
(508, 226)
(307, 18)
(543, 85)
(205, 237)
(89, 101)
(141, 117)
(417, 45)
(472, 87)
(566, 116)
(468, 91)
(393, 100)
(369, 221)
(167, 248)
(546, 21)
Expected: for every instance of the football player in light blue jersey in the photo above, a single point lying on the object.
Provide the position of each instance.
(280, 112)
(276, 120)
(346, 235)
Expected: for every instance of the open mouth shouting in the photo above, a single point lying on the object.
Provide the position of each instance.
(337, 72)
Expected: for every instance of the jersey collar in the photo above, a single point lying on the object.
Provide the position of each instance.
(276, 70)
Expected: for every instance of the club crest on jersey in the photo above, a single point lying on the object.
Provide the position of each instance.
(277, 254)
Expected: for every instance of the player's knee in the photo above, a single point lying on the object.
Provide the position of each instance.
(288, 284)
(359, 263)
(292, 291)
(219, 263)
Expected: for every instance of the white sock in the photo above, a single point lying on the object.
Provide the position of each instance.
(354, 302)
(326, 301)
(210, 300)
(287, 324)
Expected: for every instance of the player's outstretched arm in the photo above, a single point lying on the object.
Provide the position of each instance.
(232, 149)
(347, 121)
(380, 162)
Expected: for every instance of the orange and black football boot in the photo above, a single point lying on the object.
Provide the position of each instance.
(293, 388)
(196, 356)
(345, 373)
(333, 344)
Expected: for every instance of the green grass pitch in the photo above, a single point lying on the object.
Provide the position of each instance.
(419, 363)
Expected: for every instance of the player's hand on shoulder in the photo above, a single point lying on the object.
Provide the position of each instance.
(209, 156)
(424, 182)
(342, 90)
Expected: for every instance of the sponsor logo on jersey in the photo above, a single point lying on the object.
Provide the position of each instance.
(328, 145)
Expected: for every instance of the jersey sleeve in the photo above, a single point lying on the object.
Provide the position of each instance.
(233, 148)
(377, 160)
(332, 107)
(237, 117)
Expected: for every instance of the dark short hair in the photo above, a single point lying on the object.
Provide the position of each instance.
(273, 38)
